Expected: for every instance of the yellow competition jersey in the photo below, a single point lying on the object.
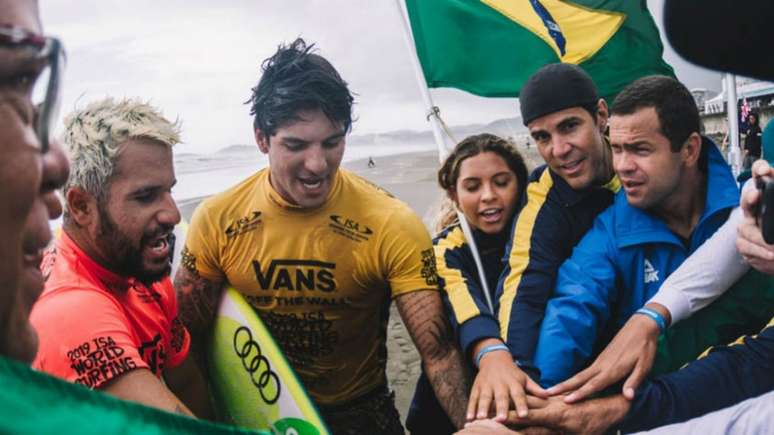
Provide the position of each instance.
(320, 279)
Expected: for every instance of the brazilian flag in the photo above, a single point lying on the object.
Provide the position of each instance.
(491, 47)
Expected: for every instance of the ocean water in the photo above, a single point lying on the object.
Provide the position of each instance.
(201, 175)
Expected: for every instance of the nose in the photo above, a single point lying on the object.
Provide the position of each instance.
(488, 193)
(314, 160)
(560, 147)
(56, 169)
(623, 163)
(169, 214)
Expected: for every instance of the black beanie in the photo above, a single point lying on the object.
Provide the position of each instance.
(555, 87)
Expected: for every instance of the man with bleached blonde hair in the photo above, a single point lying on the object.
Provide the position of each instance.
(107, 318)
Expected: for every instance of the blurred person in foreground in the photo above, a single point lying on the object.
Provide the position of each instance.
(32, 168)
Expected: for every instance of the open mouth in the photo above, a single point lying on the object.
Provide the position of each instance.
(573, 166)
(312, 184)
(158, 247)
(491, 215)
(628, 184)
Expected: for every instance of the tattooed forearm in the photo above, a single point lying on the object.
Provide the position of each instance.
(197, 298)
(422, 312)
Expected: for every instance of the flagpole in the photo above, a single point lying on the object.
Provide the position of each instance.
(733, 122)
(443, 149)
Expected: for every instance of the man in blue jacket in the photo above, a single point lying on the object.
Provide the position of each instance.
(677, 190)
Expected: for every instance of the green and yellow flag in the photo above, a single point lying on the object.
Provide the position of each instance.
(491, 47)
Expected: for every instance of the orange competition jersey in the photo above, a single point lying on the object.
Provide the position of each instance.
(94, 325)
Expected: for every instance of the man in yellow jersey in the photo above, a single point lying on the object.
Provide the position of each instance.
(320, 253)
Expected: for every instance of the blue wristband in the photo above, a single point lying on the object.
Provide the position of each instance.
(488, 349)
(655, 315)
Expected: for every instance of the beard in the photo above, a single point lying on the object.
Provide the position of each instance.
(128, 259)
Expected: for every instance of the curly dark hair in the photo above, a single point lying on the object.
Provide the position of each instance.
(296, 79)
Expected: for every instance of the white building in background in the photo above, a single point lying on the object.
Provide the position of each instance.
(759, 96)
(701, 96)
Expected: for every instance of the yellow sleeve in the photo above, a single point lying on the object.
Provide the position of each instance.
(203, 242)
(408, 253)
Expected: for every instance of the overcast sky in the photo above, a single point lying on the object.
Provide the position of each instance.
(198, 59)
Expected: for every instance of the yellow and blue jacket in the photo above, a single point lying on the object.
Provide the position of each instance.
(466, 308)
(726, 376)
(461, 287)
(553, 220)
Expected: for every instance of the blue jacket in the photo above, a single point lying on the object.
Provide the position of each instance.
(617, 266)
(553, 220)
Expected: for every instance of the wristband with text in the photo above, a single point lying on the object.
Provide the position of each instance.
(655, 315)
(488, 349)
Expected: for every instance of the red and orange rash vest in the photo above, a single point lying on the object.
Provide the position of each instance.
(94, 325)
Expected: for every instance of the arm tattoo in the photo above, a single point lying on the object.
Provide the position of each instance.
(197, 299)
(422, 312)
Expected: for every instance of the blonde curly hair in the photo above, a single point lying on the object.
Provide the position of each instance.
(94, 134)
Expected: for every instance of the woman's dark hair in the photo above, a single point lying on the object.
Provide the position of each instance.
(295, 79)
(469, 147)
(757, 118)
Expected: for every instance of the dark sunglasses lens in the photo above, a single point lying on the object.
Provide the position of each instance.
(41, 99)
(45, 94)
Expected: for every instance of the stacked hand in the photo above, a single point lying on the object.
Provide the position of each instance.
(629, 355)
(500, 382)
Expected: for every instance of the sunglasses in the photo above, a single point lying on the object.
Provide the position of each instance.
(45, 91)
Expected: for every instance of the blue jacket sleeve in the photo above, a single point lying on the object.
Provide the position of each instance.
(581, 303)
(537, 248)
(728, 375)
(462, 294)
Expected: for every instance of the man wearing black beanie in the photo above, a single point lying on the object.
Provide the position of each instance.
(567, 120)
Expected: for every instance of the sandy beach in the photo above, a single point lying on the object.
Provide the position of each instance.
(411, 178)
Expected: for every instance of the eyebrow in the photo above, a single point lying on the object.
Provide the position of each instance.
(630, 145)
(569, 119)
(493, 176)
(337, 135)
(298, 140)
(151, 188)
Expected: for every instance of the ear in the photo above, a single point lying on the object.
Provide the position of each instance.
(262, 141)
(603, 114)
(81, 206)
(452, 194)
(692, 149)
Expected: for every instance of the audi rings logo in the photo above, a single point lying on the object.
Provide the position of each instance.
(255, 363)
